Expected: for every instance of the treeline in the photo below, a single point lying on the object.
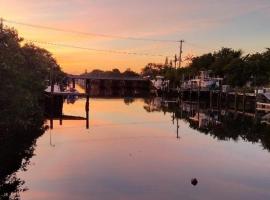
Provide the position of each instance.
(113, 73)
(238, 70)
(24, 71)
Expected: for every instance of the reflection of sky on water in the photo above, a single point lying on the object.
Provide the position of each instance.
(130, 154)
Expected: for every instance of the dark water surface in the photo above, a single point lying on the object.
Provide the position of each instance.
(132, 151)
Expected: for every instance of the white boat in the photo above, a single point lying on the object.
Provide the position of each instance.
(160, 83)
(57, 90)
(264, 93)
(205, 120)
(203, 81)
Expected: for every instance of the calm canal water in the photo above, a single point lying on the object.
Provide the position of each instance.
(132, 151)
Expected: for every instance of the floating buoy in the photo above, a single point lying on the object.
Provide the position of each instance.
(194, 181)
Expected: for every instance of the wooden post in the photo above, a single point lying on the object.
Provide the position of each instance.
(51, 98)
(198, 112)
(191, 108)
(198, 102)
(60, 120)
(211, 98)
(177, 131)
(199, 91)
(181, 109)
(190, 94)
(182, 94)
(226, 101)
(87, 86)
(244, 101)
(51, 123)
(61, 113)
(235, 100)
(220, 98)
(256, 100)
(73, 83)
(87, 111)
(51, 111)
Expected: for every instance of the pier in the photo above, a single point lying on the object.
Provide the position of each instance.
(89, 82)
(55, 98)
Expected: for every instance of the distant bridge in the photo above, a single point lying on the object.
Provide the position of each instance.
(114, 81)
(106, 77)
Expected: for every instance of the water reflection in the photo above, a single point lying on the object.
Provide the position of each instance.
(142, 149)
(221, 123)
(54, 111)
(16, 149)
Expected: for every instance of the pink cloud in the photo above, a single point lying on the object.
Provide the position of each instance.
(172, 19)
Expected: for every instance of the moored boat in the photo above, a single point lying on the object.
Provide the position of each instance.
(160, 84)
(203, 81)
(263, 99)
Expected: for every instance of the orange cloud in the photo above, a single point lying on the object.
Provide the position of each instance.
(172, 19)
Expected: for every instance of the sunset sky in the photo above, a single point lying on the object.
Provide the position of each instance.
(205, 25)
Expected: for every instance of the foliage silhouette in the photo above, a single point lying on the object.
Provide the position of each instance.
(24, 71)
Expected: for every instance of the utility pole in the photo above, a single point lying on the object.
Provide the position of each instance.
(180, 53)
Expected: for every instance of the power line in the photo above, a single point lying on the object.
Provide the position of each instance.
(100, 34)
(91, 34)
(88, 33)
(93, 49)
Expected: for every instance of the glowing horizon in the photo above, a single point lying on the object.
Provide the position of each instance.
(206, 26)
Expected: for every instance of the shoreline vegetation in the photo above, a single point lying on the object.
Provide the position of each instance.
(24, 70)
(238, 70)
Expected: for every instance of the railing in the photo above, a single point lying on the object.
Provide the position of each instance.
(263, 106)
